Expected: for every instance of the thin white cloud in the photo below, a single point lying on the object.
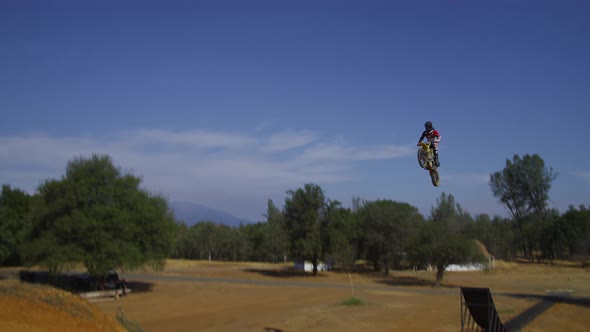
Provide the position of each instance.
(204, 166)
(466, 178)
(339, 152)
(43, 151)
(584, 175)
(285, 141)
(196, 138)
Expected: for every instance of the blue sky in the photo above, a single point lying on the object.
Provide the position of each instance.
(232, 103)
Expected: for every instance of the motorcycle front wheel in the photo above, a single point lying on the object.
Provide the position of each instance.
(422, 158)
(434, 177)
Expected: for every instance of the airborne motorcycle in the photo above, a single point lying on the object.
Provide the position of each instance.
(426, 161)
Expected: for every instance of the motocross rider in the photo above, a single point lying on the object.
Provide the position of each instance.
(433, 137)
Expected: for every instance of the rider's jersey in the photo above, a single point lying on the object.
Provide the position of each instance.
(432, 136)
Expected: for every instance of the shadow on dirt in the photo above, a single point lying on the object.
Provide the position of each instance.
(544, 304)
(140, 286)
(284, 273)
(378, 277)
(405, 281)
(271, 329)
(554, 298)
(79, 282)
(356, 268)
(412, 281)
(391, 279)
(554, 263)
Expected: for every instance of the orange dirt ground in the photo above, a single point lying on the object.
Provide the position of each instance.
(204, 296)
(25, 307)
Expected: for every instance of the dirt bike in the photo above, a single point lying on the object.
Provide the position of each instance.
(426, 161)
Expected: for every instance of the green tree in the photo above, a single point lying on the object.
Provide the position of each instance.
(229, 247)
(544, 234)
(212, 241)
(208, 240)
(442, 240)
(276, 242)
(496, 234)
(100, 217)
(181, 244)
(523, 188)
(14, 207)
(237, 244)
(255, 236)
(338, 232)
(388, 227)
(575, 233)
(304, 211)
(203, 240)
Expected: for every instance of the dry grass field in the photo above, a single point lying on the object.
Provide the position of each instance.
(211, 296)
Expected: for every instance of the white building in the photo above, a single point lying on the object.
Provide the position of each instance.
(308, 267)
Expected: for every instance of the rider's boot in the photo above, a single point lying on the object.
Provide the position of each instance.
(436, 162)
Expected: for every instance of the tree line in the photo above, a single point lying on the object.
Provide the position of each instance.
(99, 216)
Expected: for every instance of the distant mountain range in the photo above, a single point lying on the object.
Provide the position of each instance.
(191, 213)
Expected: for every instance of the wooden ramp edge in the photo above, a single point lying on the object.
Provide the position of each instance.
(106, 295)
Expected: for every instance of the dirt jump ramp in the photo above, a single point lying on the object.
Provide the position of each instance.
(478, 311)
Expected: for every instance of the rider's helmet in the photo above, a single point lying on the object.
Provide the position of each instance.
(428, 126)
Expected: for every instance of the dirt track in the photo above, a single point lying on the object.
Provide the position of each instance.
(203, 296)
(251, 297)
